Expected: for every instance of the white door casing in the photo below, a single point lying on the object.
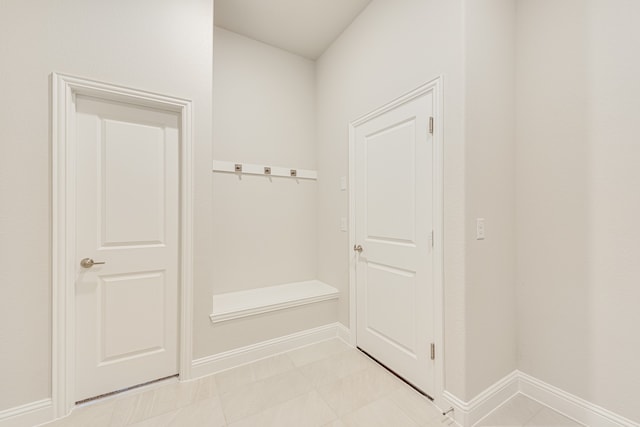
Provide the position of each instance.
(395, 201)
(122, 194)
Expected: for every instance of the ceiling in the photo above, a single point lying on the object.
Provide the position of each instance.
(304, 27)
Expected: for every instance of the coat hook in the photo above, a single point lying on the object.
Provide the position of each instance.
(267, 170)
(238, 167)
(294, 172)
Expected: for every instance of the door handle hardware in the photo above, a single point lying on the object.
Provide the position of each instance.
(88, 263)
(357, 248)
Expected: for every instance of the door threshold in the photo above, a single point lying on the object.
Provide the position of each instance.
(396, 374)
(124, 390)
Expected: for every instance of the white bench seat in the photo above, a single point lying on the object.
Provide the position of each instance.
(235, 305)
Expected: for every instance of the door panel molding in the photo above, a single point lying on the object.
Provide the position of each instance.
(435, 87)
(64, 89)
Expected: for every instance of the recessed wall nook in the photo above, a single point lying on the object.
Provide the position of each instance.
(265, 184)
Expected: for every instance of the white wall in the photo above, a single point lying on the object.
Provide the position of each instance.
(390, 49)
(157, 45)
(264, 229)
(264, 113)
(264, 106)
(490, 191)
(578, 199)
(576, 174)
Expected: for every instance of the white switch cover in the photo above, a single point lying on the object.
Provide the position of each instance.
(343, 224)
(480, 229)
(343, 183)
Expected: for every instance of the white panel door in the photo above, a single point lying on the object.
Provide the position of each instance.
(394, 217)
(127, 217)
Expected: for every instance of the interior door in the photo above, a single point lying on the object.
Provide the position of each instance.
(393, 229)
(127, 220)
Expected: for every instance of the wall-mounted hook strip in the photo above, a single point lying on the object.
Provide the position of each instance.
(253, 169)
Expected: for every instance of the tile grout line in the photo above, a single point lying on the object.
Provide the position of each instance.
(333, 411)
(219, 396)
(316, 387)
(533, 416)
(263, 380)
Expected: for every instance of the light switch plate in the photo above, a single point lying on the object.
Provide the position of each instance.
(480, 229)
(343, 183)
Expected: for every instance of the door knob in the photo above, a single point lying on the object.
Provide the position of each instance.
(357, 248)
(88, 263)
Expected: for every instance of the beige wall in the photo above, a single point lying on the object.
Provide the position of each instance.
(490, 191)
(162, 46)
(578, 199)
(390, 49)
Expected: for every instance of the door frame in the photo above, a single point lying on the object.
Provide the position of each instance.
(434, 86)
(64, 89)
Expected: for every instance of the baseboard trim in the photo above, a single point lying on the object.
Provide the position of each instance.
(468, 413)
(345, 335)
(28, 415)
(570, 405)
(240, 356)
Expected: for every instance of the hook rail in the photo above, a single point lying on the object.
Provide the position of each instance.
(265, 170)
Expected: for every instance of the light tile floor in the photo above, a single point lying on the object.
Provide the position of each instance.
(522, 411)
(325, 384)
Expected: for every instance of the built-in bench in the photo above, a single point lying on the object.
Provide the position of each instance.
(235, 305)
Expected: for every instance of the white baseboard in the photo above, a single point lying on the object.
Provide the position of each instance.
(468, 413)
(28, 415)
(465, 414)
(345, 335)
(570, 405)
(240, 356)
(41, 411)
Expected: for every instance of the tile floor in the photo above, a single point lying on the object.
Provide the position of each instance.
(522, 411)
(325, 384)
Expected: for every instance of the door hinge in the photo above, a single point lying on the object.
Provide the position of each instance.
(432, 239)
(433, 351)
(431, 125)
